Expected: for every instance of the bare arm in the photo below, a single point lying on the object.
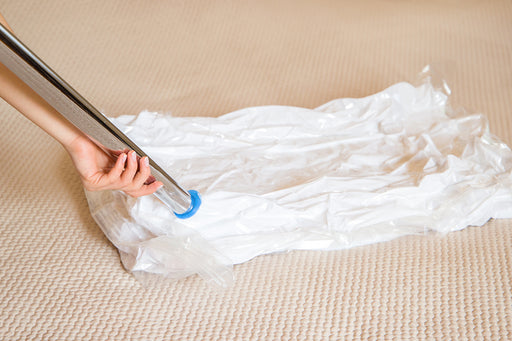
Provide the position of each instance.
(98, 170)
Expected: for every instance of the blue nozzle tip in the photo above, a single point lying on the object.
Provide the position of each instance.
(194, 206)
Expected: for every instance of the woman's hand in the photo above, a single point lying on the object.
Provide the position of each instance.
(100, 171)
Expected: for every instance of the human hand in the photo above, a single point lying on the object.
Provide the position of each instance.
(100, 171)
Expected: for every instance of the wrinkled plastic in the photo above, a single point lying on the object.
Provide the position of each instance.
(275, 178)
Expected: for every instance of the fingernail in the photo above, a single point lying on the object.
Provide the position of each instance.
(123, 157)
(133, 156)
(146, 161)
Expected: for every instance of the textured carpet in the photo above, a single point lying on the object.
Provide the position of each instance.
(60, 279)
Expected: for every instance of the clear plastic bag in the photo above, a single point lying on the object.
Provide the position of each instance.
(274, 178)
(171, 249)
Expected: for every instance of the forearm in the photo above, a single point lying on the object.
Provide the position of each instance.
(30, 104)
(98, 170)
(15, 92)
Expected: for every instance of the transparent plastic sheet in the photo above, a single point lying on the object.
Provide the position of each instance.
(350, 172)
(164, 248)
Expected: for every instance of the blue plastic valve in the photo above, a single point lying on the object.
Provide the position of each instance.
(194, 205)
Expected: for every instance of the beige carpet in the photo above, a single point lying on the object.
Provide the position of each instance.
(60, 278)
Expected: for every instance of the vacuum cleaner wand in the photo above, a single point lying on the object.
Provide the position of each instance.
(60, 95)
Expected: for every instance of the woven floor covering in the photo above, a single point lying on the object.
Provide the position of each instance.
(61, 279)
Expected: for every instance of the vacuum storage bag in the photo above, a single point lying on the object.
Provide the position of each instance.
(276, 178)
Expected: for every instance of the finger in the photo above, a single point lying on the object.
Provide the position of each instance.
(143, 173)
(130, 169)
(118, 152)
(145, 189)
(118, 168)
